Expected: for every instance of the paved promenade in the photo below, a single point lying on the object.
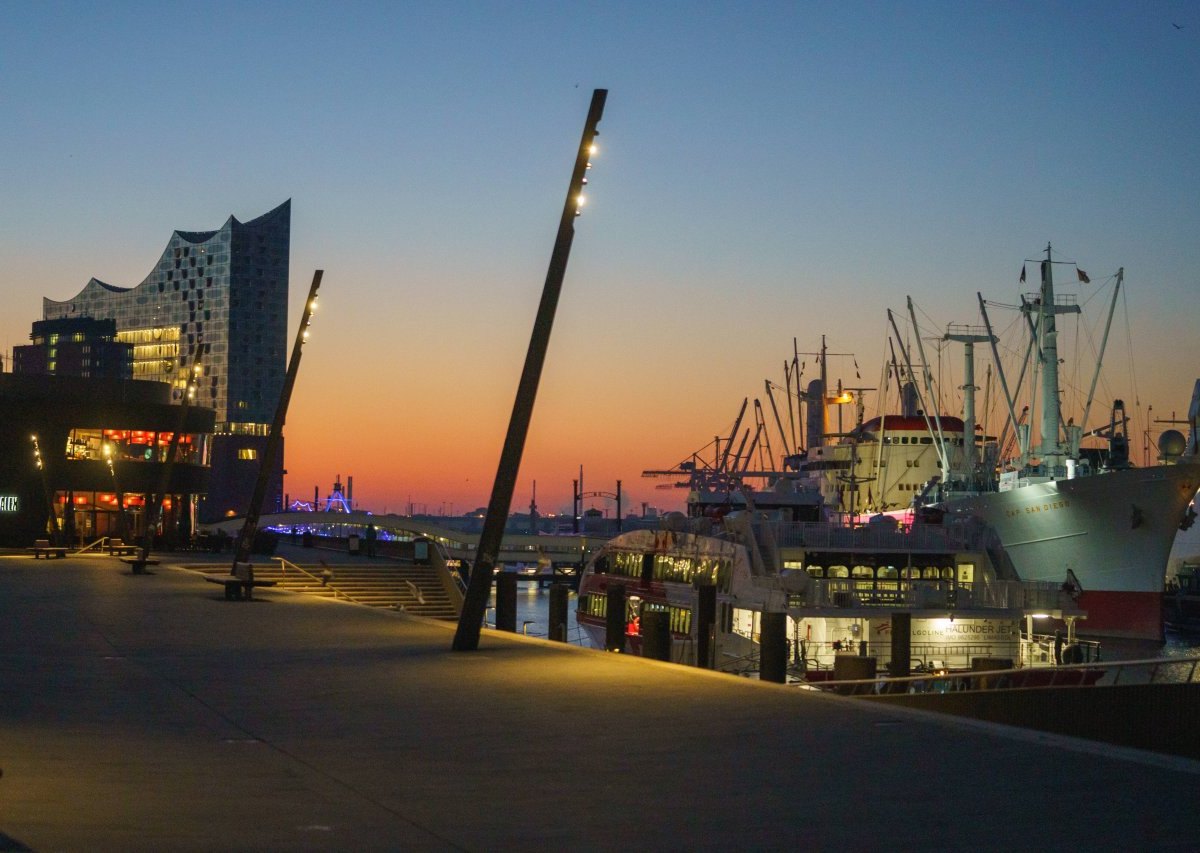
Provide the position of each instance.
(148, 713)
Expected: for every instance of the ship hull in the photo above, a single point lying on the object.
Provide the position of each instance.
(1113, 531)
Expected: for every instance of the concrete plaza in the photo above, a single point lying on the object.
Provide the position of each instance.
(148, 713)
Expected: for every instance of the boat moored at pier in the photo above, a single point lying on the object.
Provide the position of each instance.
(845, 592)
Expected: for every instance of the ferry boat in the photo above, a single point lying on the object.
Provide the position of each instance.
(841, 588)
(1063, 512)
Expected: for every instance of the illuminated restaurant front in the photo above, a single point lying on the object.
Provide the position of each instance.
(116, 512)
(81, 459)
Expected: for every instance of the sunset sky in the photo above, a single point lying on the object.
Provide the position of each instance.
(767, 171)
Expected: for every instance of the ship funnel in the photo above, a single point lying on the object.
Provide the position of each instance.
(908, 400)
(816, 413)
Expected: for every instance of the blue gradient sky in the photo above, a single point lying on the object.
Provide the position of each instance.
(768, 171)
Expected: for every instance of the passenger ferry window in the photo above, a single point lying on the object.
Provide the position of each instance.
(888, 572)
(930, 573)
(862, 572)
(837, 572)
(816, 571)
(627, 564)
(947, 574)
(593, 605)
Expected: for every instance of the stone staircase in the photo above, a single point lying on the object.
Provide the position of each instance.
(400, 586)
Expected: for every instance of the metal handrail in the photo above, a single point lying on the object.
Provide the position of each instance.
(325, 582)
(99, 542)
(1070, 675)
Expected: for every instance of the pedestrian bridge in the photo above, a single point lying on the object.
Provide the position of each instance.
(456, 544)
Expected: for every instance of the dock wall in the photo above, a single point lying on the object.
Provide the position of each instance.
(1158, 717)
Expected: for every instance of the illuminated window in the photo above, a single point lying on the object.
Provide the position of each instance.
(247, 453)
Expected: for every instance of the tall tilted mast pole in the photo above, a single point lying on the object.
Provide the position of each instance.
(466, 638)
(245, 540)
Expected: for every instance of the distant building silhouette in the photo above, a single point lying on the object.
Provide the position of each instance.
(218, 299)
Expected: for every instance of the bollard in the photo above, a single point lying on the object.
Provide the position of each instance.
(559, 593)
(772, 640)
(901, 664)
(656, 635)
(506, 601)
(614, 619)
(706, 620)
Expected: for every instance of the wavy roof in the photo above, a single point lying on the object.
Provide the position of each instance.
(188, 236)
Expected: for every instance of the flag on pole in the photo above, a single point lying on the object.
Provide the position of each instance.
(1022, 273)
(1082, 276)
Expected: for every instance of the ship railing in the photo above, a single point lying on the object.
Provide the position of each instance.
(816, 534)
(1039, 650)
(935, 594)
(1182, 670)
(856, 592)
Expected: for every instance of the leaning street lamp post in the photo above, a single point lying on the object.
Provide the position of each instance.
(109, 453)
(466, 637)
(154, 506)
(52, 518)
(245, 540)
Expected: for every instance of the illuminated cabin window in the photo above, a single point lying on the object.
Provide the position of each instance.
(627, 564)
(593, 605)
(247, 453)
(714, 570)
(933, 573)
(680, 618)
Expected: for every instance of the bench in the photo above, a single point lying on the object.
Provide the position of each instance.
(240, 586)
(138, 564)
(43, 548)
(118, 548)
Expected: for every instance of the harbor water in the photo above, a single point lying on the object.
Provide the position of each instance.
(533, 613)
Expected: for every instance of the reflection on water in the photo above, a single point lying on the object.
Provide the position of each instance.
(533, 618)
(533, 614)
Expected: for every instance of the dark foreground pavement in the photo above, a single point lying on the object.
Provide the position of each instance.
(148, 713)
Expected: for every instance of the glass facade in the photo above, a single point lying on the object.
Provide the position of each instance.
(217, 298)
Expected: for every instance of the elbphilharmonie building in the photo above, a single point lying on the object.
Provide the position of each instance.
(216, 300)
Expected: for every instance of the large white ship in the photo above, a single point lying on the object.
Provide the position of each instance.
(1085, 517)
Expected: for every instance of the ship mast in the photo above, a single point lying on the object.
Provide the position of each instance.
(968, 337)
(1051, 448)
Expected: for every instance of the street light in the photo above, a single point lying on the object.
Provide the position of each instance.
(52, 518)
(109, 453)
(479, 588)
